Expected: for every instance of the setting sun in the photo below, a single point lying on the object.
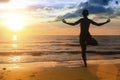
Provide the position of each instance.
(14, 22)
(14, 25)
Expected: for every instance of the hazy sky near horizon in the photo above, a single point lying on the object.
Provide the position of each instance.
(42, 16)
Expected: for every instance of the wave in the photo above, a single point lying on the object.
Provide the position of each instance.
(39, 53)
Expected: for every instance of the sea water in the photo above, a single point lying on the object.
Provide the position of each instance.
(57, 48)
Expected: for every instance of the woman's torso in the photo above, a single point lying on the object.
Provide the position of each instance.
(84, 27)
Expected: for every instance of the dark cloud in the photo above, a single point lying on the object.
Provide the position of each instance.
(94, 7)
(2, 1)
(99, 2)
(117, 2)
(97, 6)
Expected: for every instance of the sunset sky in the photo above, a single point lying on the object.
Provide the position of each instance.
(43, 17)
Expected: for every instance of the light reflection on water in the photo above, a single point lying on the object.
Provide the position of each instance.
(14, 45)
(14, 37)
(14, 59)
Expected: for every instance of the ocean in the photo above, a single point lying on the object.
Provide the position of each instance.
(59, 48)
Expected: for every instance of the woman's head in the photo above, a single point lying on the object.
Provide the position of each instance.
(85, 13)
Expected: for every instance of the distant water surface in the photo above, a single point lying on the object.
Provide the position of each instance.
(56, 48)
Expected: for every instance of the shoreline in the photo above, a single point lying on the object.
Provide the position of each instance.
(55, 64)
(67, 62)
(38, 53)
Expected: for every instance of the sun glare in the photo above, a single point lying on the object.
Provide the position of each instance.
(14, 37)
(14, 22)
(14, 25)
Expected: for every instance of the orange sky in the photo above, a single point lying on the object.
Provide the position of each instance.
(58, 28)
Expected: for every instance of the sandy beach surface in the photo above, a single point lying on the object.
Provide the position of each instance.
(96, 70)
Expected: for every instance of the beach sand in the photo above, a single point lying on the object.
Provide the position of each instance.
(52, 71)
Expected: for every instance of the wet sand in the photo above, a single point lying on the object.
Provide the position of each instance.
(53, 71)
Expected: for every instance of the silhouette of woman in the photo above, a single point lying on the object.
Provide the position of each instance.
(85, 37)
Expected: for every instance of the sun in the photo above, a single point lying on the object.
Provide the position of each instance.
(14, 22)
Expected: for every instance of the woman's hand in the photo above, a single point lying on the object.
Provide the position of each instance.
(63, 21)
(108, 20)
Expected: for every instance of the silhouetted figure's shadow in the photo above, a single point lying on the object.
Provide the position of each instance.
(85, 37)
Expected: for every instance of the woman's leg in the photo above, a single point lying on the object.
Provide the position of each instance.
(83, 48)
(84, 54)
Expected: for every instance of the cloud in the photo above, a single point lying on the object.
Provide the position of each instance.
(55, 10)
(97, 7)
(99, 2)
